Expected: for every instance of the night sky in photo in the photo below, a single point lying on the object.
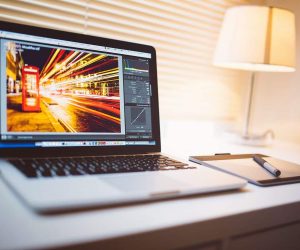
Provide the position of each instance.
(36, 57)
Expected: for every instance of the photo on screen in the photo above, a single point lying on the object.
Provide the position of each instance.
(53, 89)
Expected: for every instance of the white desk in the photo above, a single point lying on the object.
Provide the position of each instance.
(268, 217)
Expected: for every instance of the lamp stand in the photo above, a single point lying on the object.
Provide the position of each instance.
(247, 137)
(246, 133)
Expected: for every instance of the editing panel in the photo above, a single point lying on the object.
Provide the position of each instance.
(137, 95)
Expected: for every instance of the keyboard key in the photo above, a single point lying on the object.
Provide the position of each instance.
(48, 167)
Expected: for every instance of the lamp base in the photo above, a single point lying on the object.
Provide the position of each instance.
(258, 140)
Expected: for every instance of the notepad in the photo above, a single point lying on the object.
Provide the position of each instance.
(243, 166)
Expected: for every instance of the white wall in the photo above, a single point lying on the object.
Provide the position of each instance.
(277, 95)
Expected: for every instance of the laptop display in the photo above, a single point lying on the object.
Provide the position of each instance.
(61, 92)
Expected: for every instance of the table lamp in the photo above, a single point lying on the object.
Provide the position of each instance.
(256, 38)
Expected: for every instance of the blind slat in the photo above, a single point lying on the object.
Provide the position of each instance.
(157, 20)
(29, 19)
(171, 31)
(141, 6)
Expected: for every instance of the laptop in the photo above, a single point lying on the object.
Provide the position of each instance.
(80, 123)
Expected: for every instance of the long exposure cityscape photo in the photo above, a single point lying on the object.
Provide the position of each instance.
(61, 90)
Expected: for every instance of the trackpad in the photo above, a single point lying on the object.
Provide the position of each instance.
(145, 182)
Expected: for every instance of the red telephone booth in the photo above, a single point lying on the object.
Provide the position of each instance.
(30, 89)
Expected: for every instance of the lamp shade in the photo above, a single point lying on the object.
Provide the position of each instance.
(257, 38)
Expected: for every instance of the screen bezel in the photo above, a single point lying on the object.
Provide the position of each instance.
(102, 150)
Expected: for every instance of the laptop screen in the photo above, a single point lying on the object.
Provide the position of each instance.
(65, 93)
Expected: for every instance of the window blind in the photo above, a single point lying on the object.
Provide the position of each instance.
(184, 32)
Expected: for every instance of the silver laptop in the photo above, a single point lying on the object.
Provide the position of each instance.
(80, 123)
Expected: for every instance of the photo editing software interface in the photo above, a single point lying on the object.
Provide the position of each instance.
(57, 93)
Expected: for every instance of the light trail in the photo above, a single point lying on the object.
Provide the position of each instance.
(70, 101)
(50, 62)
(97, 113)
(98, 104)
(93, 67)
(71, 82)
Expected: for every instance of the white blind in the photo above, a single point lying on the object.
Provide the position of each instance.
(184, 32)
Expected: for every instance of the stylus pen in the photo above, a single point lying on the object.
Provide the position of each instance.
(274, 171)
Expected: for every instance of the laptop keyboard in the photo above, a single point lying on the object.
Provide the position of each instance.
(70, 166)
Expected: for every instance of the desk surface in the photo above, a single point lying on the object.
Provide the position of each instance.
(22, 228)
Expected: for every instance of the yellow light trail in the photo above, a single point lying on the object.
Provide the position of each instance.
(70, 65)
(64, 63)
(57, 69)
(83, 65)
(52, 59)
(73, 61)
(101, 76)
(97, 113)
